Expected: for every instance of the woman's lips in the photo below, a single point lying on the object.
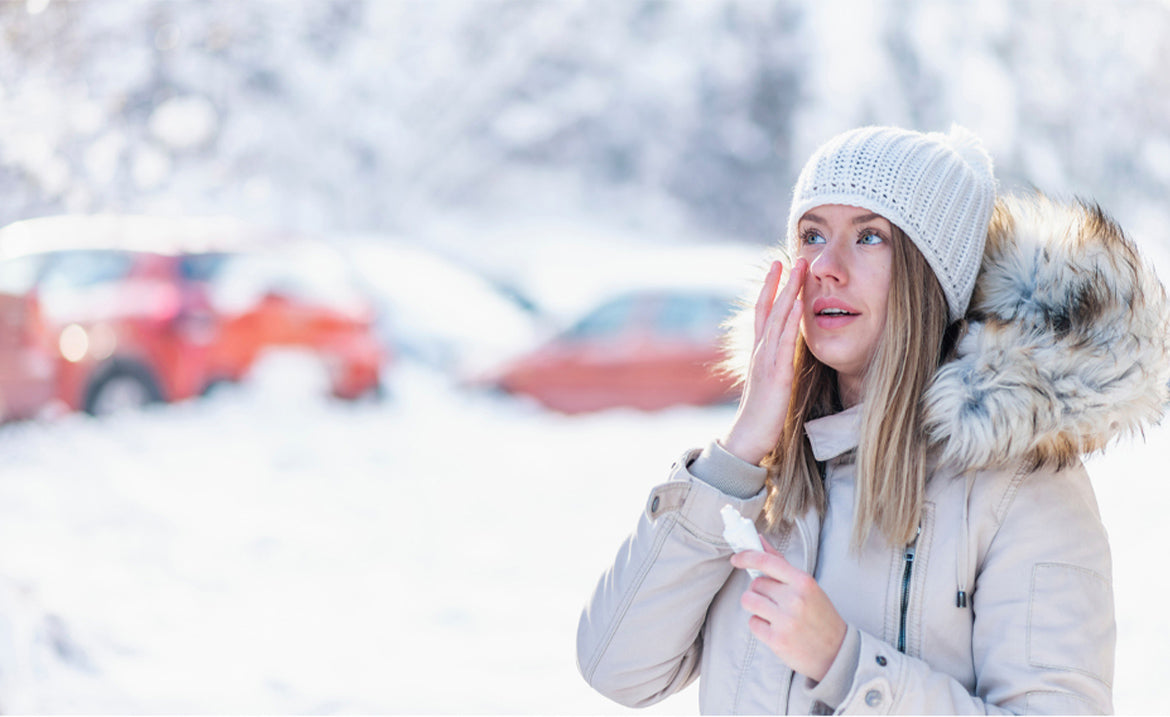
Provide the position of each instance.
(832, 313)
(833, 321)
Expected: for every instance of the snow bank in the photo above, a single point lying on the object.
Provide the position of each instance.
(267, 551)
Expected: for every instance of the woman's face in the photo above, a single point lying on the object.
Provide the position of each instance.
(846, 288)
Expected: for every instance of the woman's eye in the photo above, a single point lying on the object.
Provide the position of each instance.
(813, 237)
(870, 237)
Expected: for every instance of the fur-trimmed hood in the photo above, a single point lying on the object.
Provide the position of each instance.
(1067, 344)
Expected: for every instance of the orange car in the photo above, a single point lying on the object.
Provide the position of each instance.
(100, 313)
(646, 349)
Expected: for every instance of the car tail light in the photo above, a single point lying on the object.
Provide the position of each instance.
(73, 343)
(77, 343)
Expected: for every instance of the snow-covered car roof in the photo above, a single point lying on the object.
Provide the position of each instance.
(157, 234)
(579, 279)
(437, 305)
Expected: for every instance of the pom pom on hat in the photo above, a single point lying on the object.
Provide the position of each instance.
(937, 188)
(968, 145)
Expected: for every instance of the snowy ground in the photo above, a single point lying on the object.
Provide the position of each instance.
(265, 551)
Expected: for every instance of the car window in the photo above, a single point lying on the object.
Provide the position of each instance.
(82, 285)
(202, 267)
(18, 275)
(81, 269)
(691, 316)
(608, 319)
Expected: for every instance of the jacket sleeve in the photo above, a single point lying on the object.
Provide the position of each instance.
(1043, 633)
(639, 637)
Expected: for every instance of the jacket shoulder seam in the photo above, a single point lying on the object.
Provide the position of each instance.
(1009, 496)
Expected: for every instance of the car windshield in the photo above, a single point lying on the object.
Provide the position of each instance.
(696, 317)
(607, 320)
(69, 270)
(202, 267)
(97, 284)
(19, 275)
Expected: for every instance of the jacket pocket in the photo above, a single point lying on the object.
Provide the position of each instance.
(1070, 620)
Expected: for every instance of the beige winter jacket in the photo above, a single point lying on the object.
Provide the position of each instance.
(1053, 365)
(1037, 634)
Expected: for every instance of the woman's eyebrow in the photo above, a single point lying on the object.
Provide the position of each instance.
(866, 218)
(810, 217)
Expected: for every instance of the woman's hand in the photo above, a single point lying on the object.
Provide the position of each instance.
(768, 387)
(790, 613)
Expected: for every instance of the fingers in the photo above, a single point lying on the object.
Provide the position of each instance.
(772, 299)
(778, 318)
(772, 564)
(786, 351)
(774, 599)
(768, 384)
(767, 297)
(791, 288)
(766, 615)
(799, 624)
(791, 614)
(768, 546)
(761, 628)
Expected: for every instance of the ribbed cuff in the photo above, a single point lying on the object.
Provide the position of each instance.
(833, 689)
(727, 473)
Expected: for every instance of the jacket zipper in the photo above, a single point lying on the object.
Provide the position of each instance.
(908, 560)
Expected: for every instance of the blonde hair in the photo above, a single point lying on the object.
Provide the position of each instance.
(892, 449)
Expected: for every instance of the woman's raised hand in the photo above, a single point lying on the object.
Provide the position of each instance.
(768, 387)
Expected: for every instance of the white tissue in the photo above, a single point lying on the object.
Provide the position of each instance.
(740, 534)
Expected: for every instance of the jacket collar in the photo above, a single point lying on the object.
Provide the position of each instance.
(835, 434)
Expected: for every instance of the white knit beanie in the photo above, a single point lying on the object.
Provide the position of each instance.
(937, 188)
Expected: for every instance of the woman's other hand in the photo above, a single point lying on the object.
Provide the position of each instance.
(768, 387)
(790, 613)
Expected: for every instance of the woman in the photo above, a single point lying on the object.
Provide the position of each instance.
(909, 440)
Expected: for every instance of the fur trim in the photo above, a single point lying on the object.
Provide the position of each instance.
(1067, 347)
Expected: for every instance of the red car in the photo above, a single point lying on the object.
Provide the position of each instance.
(300, 295)
(99, 313)
(646, 349)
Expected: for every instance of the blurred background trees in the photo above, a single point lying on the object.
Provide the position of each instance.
(666, 117)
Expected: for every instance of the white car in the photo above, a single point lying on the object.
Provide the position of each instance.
(436, 311)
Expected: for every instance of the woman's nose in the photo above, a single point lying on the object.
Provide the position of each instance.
(829, 265)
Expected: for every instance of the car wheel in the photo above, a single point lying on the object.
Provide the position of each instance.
(378, 393)
(123, 387)
(217, 386)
